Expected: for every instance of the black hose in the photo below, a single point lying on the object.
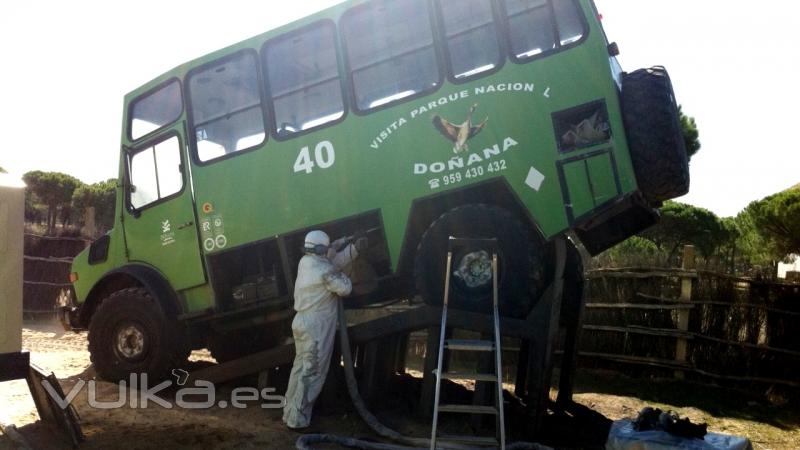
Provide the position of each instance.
(355, 396)
(305, 442)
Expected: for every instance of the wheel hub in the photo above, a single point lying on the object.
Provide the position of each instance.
(475, 269)
(130, 341)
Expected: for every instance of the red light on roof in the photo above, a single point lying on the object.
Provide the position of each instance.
(600, 16)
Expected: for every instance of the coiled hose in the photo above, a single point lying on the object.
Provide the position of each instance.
(306, 441)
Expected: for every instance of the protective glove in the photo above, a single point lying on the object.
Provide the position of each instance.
(339, 244)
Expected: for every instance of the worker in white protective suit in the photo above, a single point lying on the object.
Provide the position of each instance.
(320, 284)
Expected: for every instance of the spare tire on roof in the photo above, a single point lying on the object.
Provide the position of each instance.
(653, 129)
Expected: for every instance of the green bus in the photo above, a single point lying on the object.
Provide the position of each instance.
(407, 121)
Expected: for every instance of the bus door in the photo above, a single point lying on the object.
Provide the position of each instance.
(159, 217)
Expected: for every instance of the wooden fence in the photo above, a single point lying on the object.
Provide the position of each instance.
(693, 323)
(46, 266)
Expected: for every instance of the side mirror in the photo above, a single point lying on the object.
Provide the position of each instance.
(613, 49)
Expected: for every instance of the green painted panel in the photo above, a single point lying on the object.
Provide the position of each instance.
(198, 298)
(580, 191)
(601, 173)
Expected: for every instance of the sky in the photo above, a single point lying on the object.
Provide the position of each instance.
(67, 65)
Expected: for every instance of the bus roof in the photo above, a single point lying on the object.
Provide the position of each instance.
(331, 12)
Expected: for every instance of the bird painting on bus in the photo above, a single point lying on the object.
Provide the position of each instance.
(459, 134)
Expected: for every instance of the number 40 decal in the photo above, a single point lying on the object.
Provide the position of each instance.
(324, 157)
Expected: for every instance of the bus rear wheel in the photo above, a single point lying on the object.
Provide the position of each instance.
(129, 333)
(520, 274)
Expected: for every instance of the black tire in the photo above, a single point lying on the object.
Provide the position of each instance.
(653, 129)
(520, 268)
(236, 344)
(129, 333)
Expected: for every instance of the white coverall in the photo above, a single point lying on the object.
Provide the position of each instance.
(320, 283)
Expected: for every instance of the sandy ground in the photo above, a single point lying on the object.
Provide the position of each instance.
(65, 354)
(54, 351)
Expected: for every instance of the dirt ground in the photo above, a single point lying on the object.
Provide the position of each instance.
(609, 394)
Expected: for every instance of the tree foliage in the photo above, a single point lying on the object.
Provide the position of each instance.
(101, 196)
(54, 197)
(714, 238)
(632, 252)
(53, 190)
(752, 243)
(775, 223)
(683, 224)
(2, 170)
(691, 135)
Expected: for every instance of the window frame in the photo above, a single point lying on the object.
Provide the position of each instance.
(554, 22)
(191, 132)
(151, 91)
(267, 87)
(435, 45)
(131, 152)
(441, 32)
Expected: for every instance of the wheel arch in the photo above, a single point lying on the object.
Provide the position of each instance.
(424, 211)
(132, 275)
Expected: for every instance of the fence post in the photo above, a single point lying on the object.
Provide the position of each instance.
(688, 263)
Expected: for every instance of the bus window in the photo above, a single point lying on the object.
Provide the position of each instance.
(155, 110)
(531, 27)
(227, 116)
(155, 173)
(390, 51)
(568, 18)
(302, 73)
(471, 36)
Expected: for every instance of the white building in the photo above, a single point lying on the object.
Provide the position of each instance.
(794, 267)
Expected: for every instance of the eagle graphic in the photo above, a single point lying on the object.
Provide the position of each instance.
(459, 134)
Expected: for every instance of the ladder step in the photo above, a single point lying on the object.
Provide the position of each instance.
(469, 440)
(468, 409)
(471, 345)
(469, 376)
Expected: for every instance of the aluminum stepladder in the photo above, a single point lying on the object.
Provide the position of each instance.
(471, 346)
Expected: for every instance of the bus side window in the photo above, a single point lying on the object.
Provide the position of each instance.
(390, 51)
(532, 27)
(471, 35)
(154, 110)
(155, 173)
(227, 114)
(302, 74)
(568, 19)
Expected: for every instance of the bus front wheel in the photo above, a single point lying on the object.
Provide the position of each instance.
(129, 333)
